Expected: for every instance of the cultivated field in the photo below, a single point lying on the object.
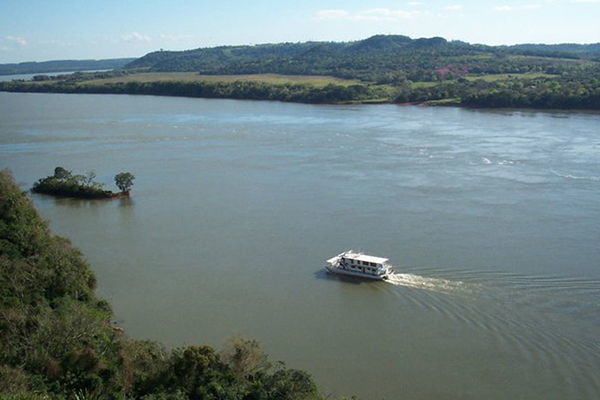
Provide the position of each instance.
(506, 77)
(315, 80)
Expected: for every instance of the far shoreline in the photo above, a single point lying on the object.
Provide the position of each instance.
(346, 103)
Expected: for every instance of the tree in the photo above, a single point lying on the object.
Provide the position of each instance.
(89, 178)
(124, 181)
(61, 173)
(244, 357)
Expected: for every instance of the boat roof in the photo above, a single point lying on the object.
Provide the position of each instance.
(363, 257)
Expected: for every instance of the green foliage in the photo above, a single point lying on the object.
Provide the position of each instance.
(244, 357)
(124, 181)
(64, 183)
(49, 311)
(580, 92)
(289, 92)
(56, 340)
(388, 59)
(61, 173)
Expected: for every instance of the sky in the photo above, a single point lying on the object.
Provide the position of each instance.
(39, 30)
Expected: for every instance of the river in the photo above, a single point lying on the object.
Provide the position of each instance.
(491, 219)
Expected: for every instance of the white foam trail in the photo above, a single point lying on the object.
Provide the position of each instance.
(421, 282)
(570, 176)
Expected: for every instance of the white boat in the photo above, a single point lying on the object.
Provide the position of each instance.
(359, 265)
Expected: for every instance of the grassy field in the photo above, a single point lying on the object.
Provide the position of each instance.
(416, 85)
(192, 77)
(506, 77)
(489, 78)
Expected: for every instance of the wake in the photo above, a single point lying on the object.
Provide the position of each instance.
(421, 282)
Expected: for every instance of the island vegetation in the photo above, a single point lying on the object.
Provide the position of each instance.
(382, 68)
(57, 339)
(64, 183)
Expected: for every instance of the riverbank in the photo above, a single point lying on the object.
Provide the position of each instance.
(516, 92)
(330, 93)
(81, 193)
(476, 94)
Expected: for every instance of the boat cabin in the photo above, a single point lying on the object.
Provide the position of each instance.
(362, 262)
(358, 264)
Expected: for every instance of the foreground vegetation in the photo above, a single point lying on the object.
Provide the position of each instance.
(57, 341)
(392, 68)
(64, 183)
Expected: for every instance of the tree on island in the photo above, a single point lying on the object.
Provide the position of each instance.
(124, 181)
(61, 173)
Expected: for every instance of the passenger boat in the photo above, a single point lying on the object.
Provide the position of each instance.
(359, 265)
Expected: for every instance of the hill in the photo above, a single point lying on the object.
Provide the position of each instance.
(379, 59)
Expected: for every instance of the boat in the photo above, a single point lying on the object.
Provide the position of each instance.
(359, 265)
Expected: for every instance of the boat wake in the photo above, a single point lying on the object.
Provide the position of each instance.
(421, 282)
(576, 177)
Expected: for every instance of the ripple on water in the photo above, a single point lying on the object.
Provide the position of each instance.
(547, 307)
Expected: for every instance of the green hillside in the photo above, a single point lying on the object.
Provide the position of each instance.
(378, 59)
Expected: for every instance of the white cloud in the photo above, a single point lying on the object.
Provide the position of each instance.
(374, 14)
(415, 3)
(585, 1)
(135, 37)
(521, 7)
(453, 7)
(17, 39)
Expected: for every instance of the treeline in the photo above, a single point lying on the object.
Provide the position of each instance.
(523, 93)
(57, 340)
(553, 93)
(62, 65)
(292, 92)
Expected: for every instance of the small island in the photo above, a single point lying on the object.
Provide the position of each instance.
(65, 184)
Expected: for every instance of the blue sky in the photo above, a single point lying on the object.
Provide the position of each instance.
(40, 30)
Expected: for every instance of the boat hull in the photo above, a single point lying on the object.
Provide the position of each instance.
(341, 271)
